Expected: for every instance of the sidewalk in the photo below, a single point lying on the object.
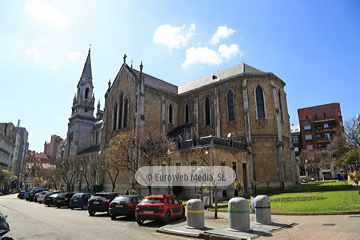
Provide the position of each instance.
(286, 227)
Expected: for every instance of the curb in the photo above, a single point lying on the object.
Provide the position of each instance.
(303, 214)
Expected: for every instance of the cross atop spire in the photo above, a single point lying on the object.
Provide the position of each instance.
(124, 58)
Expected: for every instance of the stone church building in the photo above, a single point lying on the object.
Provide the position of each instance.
(238, 114)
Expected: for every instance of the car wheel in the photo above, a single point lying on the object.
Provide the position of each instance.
(72, 208)
(113, 217)
(183, 213)
(167, 218)
(48, 205)
(58, 206)
(91, 213)
(83, 207)
(140, 222)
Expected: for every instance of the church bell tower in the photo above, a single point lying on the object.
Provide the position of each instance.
(82, 113)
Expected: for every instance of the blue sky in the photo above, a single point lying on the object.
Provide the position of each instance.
(313, 46)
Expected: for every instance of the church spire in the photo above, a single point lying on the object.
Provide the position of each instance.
(87, 67)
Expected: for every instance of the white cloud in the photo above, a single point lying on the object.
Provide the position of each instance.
(208, 56)
(173, 37)
(228, 52)
(33, 52)
(201, 55)
(75, 55)
(222, 32)
(45, 12)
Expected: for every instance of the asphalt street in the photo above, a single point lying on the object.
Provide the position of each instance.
(29, 220)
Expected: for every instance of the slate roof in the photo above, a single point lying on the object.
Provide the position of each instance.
(226, 73)
(158, 83)
(87, 67)
(92, 149)
(178, 130)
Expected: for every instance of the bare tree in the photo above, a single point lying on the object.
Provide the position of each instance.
(346, 145)
(67, 168)
(206, 156)
(315, 159)
(89, 167)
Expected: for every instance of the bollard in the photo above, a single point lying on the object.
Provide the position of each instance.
(195, 214)
(239, 216)
(261, 205)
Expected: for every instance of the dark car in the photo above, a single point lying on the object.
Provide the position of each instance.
(33, 192)
(99, 202)
(159, 207)
(80, 200)
(63, 199)
(49, 200)
(124, 205)
(21, 194)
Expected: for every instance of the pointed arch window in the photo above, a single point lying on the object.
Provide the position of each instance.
(87, 93)
(230, 106)
(115, 117)
(171, 113)
(280, 106)
(121, 100)
(187, 113)
(126, 112)
(207, 111)
(260, 102)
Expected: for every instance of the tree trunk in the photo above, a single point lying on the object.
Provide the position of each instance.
(216, 202)
(149, 187)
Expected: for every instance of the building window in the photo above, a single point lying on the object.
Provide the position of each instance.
(295, 139)
(326, 125)
(315, 117)
(170, 113)
(121, 110)
(186, 113)
(86, 93)
(309, 147)
(115, 116)
(126, 111)
(230, 105)
(308, 137)
(260, 103)
(280, 106)
(307, 118)
(207, 111)
(327, 136)
(307, 127)
(324, 115)
(296, 149)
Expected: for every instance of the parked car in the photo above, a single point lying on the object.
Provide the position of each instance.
(63, 199)
(124, 205)
(26, 193)
(80, 200)
(99, 202)
(33, 192)
(159, 207)
(49, 200)
(21, 194)
(41, 198)
(36, 196)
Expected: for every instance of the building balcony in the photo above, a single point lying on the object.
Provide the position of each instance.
(323, 139)
(329, 119)
(327, 129)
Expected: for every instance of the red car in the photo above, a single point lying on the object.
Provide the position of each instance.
(159, 207)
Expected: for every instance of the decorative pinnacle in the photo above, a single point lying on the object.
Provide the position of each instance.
(141, 66)
(124, 58)
(109, 83)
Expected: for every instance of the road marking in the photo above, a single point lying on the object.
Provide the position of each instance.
(167, 235)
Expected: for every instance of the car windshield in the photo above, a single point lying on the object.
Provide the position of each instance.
(152, 200)
(101, 195)
(53, 195)
(61, 195)
(77, 195)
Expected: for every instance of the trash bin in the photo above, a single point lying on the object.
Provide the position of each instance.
(239, 216)
(261, 204)
(195, 214)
